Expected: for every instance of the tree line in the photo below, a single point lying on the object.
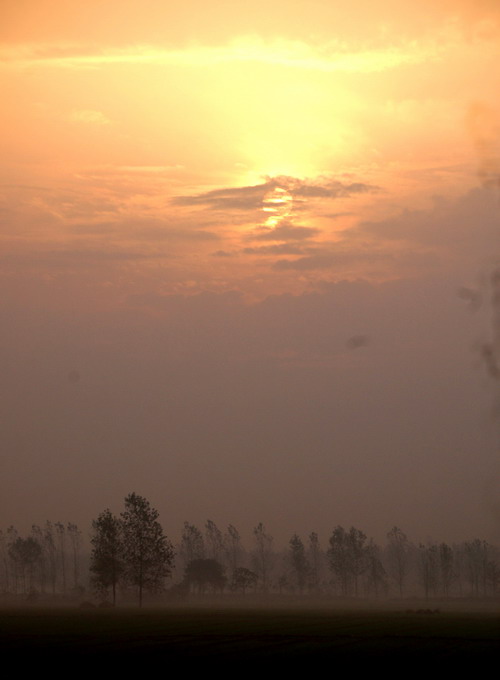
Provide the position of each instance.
(130, 555)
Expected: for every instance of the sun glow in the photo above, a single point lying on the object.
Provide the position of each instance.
(277, 204)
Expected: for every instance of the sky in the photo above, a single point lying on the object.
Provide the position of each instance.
(248, 263)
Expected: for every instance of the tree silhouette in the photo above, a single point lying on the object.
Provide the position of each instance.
(205, 572)
(148, 554)
(298, 560)
(106, 561)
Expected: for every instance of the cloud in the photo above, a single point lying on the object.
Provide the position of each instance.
(252, 197)
(286, 231)
(277, 249)
(330, 256)
(356, 341)
(222, 253)
(236, 198)
(329, 57)
(89, 116)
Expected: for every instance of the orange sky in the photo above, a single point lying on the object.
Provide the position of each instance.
(337, 165)
(118, 113)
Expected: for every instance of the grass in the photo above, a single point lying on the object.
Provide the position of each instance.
(291, 637)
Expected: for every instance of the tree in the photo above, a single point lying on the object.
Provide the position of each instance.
(106, 561)
(298, 560)
(446, 571)
(314, 559)
(214, 540)
(347, 554)
(192, 545)
(232, 548)
(398, 549)
(263, 554)
(147, 552)
(26, 553)
(244, 578)
(376, 581)
(205, 572)
(429, 568)
(75, 534)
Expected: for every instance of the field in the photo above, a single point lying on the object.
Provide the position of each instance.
(278, 637)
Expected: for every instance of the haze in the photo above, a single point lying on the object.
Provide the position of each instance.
(247, 256)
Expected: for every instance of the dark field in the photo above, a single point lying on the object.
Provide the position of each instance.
(129, 638)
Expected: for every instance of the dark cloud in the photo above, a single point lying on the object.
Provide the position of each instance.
(222, 253)
(490, 351)
(356, 341)
(471, 297)
(251, 197)
(236, 198)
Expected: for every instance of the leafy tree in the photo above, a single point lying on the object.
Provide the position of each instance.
(205, 572)
(244, 578)
(106, 561)
(147, 552)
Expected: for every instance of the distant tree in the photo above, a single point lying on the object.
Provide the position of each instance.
(446, 571)
(106, 561)
(376, 576)
(429, 568)
(192, 545)
(214, 541)
(232, 548)
(315, 558)
(476, 554)
(243, 579)
(61, 543)
(26, 554)
(50, 551)
(263, 554)
(347, 555)
(298, 561)
(204, 573)
(148, 554)
(75, 535)
(398, 556)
